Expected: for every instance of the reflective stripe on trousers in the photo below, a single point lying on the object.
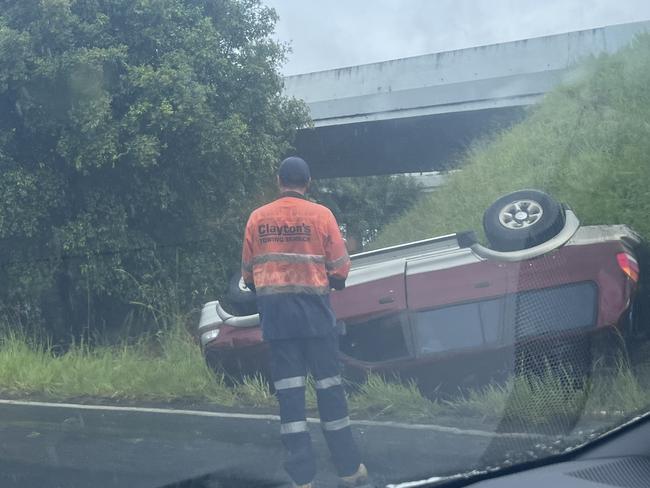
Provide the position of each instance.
(290, 361)
(328, 382)
(286, 383)
(294, 427)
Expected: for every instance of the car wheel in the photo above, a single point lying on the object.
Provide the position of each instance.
(241, 298)
(522, 219)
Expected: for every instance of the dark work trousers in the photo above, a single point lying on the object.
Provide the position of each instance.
(291, 359)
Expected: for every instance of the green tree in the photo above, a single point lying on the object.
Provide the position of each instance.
(363, 206)
(134, 135)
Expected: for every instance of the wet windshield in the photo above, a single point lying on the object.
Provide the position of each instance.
(340, 243)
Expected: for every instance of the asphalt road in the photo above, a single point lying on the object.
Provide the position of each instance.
(74, 446)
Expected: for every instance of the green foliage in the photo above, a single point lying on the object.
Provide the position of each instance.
(134, 135)
(379, 398)
(363, 206)
(621, 392)
(586, 143)
(169, 366)
(525, 401)
(538, 401)
(165, 367)
(255, 391)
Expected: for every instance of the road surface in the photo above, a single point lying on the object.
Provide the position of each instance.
(68, 446)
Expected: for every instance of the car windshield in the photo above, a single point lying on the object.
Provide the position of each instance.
(369, 243)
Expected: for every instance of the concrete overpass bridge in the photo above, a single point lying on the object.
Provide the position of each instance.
(420, 113)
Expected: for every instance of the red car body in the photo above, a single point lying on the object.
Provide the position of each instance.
(447, 311)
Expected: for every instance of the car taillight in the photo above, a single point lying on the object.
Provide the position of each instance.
(629, 265)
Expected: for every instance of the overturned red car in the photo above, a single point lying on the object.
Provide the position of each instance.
(448, 310)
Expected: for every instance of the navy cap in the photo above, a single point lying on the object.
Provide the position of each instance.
(294, 171)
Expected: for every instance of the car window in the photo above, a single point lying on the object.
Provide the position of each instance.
(377, 339)
(549, 310)
(455, 327)
(499, 320)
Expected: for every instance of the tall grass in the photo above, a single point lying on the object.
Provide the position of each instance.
(254, 391)
(586, 143)
(170, 367)
(379, 398)
(539, 400)
(530, 401)
(162, 368)
(621, 393)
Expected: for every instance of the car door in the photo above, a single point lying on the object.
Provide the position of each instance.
(372, 290)
(439, 280)
(371, 311)
(456, 308)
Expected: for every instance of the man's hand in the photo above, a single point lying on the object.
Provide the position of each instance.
(336, 283)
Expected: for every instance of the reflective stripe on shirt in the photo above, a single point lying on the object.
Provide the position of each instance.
(286, 257)
(330, 265)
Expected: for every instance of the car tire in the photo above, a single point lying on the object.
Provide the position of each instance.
(522, 219)
(241, 299)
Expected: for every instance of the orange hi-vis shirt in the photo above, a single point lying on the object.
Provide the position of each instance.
(293, 253)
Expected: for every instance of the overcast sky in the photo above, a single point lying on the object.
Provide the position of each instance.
(327, 34)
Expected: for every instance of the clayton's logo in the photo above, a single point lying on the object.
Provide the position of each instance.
(265, 230)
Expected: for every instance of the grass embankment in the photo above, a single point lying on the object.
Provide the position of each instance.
(609, 393)
(162, 368)
(587, 143)
(170, 367)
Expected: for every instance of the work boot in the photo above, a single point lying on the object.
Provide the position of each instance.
(360, 479)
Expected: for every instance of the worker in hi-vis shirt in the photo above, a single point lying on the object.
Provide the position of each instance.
(293, 254)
